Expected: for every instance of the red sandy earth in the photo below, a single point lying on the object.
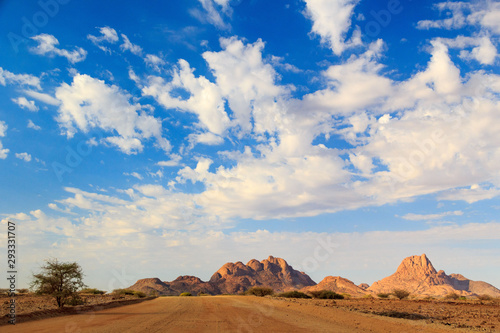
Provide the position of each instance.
(254, 314)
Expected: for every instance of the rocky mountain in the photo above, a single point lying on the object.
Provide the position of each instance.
(185, 283)
(337, 284)
(417, 275)
(272, 272)
(232, 278)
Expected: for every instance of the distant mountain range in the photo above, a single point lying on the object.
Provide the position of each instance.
(415, 274)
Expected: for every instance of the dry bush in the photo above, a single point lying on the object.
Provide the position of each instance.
(259, 291)
(401, 293)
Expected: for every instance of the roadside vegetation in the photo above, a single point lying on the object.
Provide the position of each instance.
(401, 293)
(61, 280)
(293, 294)
(325, 294)
(259, 291)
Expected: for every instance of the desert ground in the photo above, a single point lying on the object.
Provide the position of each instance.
(257, 314)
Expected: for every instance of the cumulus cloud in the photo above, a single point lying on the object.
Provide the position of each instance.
(353, 85)
(471, 194)
(332, 21)
(24, 156)
(248, 84)
(129, 46)
(7, 77)
(25, 104)
(483, 49)
(90, 103)
(175, 160)
(136, 222)
(108, 35)
(32, 125)
(154, 61)
(134, 174)
(186, 92)
(213, 12)
(485, 14)
(3, 130)
(206, 139)
(47, 45)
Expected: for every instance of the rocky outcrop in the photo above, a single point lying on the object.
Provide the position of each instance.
(182, 284)
(337, 284)
(417, 275)
(232, 278)
(272, 272)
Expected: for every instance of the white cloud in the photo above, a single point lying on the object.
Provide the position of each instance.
(32, 125)
(128, 46)
(331, 21)
(206, 139)
(108, 35)
(471, 194)
(175, 160)
(154, 61)
(89, 103)
(44, 98)
(47, 46)
(213, 12)
(192, 94)
(353, 85)
(457, 20)
(3, 130)
(248, 85)
(24, 156)
(427, 217)
(25, 104)
(485, 14)
(128, 230)
(7, 77)
(484, 51)
(134, 174)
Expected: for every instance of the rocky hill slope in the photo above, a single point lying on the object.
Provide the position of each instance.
(337, 284)
(232, 278)
(272, 272)
(417, 275)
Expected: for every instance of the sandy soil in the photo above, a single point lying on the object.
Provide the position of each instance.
(226, 314)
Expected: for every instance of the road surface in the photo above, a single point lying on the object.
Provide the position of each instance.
(222, 314)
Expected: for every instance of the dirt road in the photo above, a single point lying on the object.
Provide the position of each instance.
(222, 314)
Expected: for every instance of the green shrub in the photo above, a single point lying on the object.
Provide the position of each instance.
(325, 294)
(139, 294)
(401, 293)
(124, 292)
(368, 296)
(294, 294)
(346, 295)
(186, 294)
(75, 299)
(259, 291)
(383, 295)
(452, 296)
(201, 293)
(92, 291)
(129, 292)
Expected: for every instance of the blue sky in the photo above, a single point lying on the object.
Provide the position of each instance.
(164, 138)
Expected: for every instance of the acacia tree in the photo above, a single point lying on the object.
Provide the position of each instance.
(59, 279)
